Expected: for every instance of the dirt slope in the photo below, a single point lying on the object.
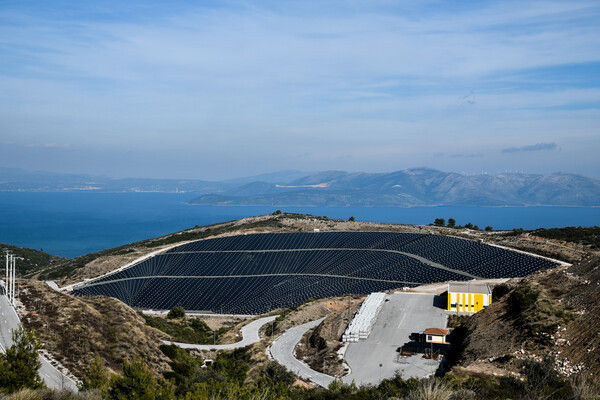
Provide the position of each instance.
(75, 329)
(555, 312)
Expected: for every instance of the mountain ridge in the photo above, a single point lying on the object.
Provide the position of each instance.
(420, 186)
(414, 187)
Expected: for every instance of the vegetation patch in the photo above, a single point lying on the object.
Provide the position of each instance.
(586, 236)
(30, 261)
(185, 329)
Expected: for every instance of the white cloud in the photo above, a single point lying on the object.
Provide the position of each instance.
(367, 79)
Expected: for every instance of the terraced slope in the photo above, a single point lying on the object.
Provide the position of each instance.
(251, 274)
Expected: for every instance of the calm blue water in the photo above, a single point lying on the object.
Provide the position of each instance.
(77, 223)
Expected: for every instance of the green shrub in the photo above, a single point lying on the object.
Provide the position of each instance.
(176, 312)
(522, 298)
(274, 373)
(499, 291)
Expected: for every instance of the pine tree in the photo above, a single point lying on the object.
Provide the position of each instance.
(20, 364)
(95, 376)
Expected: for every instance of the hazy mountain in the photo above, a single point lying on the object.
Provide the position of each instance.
(412, 187)
(271, 177)
(13, 179)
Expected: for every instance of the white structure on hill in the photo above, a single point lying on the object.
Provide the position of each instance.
(361, 325)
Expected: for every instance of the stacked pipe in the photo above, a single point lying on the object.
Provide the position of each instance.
(362, 324)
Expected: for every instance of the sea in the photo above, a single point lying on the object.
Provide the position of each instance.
(72, 224)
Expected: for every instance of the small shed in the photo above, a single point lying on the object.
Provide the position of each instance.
(468, 296)
(435, 335)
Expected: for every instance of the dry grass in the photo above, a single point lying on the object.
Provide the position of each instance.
(75, 329)
(431, 389)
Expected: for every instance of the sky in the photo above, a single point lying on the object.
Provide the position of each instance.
(222, 89)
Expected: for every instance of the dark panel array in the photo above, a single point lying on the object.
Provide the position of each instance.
(230, 295)
(355, 263)
(211, 269)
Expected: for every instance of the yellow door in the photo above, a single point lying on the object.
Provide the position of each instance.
(478, 302)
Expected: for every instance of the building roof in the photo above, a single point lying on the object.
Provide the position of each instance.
(435, 331)
(469, 287)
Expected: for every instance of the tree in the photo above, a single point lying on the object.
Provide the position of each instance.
(275, 373)
(138, 382)
(278, 212)
(476, 227)
(488, 228)
(20, 364)
(351, 219)
(439, 222)
(469, 225)
(451, 222)
(176, 312)
(95, 376)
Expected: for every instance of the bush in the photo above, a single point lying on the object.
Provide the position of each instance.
(275, 373)
(95, 376)
(176, 312)
(431, 389)
(488, 228)
(234, 364)
(499, 291)
(521, 299)
(351, 219)
(439, 222)
(138, 382)
(540, 374)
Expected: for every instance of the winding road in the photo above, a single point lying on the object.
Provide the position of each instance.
(282, 351)
(249, 336)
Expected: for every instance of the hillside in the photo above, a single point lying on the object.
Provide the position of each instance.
(30, 261)
(75, 330)
(67, 271)
(553, 312)
(413, 187)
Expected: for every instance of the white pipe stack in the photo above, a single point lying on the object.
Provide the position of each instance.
(362, 324)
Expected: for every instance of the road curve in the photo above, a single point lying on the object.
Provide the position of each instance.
(249, 336)
(282, 351)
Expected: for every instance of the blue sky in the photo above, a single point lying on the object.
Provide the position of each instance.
(213, 90)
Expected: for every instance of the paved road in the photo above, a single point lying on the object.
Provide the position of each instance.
(9, 321)
(375, 358)
(249, 336)
(282, 351)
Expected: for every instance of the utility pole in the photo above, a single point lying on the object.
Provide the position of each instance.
(7, 276)
(10, 277)
(14, 270)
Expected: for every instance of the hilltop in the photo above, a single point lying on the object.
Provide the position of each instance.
(564, 245)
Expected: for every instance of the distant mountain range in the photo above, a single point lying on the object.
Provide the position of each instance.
(411, 187)
(414, 187)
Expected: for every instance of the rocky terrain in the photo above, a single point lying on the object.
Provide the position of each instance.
(552, 313)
